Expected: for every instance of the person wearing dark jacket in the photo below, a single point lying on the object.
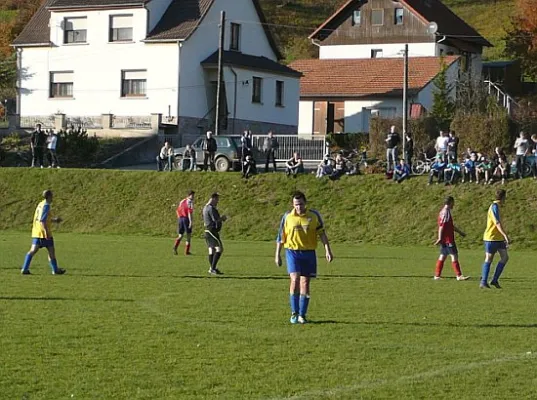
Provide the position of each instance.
(209, 152)
(269, 147)
(38, 141)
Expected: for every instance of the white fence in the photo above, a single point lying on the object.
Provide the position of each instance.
(311, 148)
(47, 122)
(95, 122)
(121, 122)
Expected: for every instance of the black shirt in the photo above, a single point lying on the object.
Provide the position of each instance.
(38, 138)
(393, 140)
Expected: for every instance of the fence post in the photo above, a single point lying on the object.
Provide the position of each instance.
(106, 120)
(60, 122)
(156, 120)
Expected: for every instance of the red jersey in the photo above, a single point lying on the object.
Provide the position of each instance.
(185, 208)
(445, 220)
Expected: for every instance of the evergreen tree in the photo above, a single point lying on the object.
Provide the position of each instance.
(443, 107)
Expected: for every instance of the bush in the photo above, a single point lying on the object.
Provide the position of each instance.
(348, 141)
(77, 148)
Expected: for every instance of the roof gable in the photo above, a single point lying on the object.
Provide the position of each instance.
(57, 4)
(365, 77)
(449, 24)
(36, 31)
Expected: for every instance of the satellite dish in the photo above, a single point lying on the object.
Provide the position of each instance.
(432, 28)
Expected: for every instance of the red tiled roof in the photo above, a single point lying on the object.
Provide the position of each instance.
(449, 23)
(365, 77)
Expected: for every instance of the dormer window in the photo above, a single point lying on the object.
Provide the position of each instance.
(74, 30)
(398, 16)
(356, 17)
(120, 28)
(235, 41)
(377, 17)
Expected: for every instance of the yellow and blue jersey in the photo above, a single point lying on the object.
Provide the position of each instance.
(42, 214)
(492, 234)
(300, 232)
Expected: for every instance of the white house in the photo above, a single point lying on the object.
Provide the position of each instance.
(359, 72)
(129, 59)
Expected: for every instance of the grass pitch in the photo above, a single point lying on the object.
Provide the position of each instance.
(132, 321)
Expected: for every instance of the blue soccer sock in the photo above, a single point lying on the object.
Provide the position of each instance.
(485, 272)
(294, 302)
(53, 265)
(27, 261)
(304, 302)
(498, 271)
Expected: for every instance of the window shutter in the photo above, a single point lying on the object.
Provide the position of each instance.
(131, 75)
(75, 24)
(62, 77)
(121, 21)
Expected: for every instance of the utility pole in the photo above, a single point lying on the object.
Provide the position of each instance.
(220, 70)
(405, 97)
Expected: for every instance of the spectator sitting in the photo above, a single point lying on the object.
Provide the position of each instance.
(452, 172)
(165, 156)
(469, 168)
(437, 169)
(483, 168)
(442, 141)
(401, 171)
(325, 167)
(189, 159)
(248, 167)
(294, 165)
(340, 168)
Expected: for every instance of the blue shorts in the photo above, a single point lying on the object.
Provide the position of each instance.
(182, 226)
(303, 262)
(492, 247)
(40, 242)
(449, 249)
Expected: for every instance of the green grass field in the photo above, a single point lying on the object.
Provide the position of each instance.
(132, 321)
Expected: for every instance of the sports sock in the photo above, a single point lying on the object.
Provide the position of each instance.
(177, 243)
(53, 265)
(294, 302)
(485, 272)
(498, 271)
(211, 256)
(215, 259)
(303, 307)
(27, 261)
(439, 267)
(457, 268)
(187, 248)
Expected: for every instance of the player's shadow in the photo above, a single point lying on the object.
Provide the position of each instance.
(449, 324)
(27, 298)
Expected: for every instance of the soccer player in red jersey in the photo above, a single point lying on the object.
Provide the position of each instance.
(446, 240)
(184, 222)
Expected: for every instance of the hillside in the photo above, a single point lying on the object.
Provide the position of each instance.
(356, 209)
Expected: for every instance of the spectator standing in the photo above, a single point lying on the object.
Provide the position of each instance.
(442, 141)
(401, 172)
(209, 152)
(38, 141)
(392, 143)
(52, 144)
(190, 156)
(165, 156)
(522, 147)
(453, 146)
(270, 146)
(409, 150)
(294, 165)
(534, 151)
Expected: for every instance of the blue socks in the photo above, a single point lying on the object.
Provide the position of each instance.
(485, 272)
(294, 302)
(498, 272)
(53, 265)
(304, 302)
(27, 261)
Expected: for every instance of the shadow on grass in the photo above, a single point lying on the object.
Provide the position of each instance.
(23, 298)
(448, 324)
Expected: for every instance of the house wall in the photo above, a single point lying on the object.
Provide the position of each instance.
(388, 50)
(195, 99)
(356, 121)
(305, 117)
(97, 67)
(425, 96)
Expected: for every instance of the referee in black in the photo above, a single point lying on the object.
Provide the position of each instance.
(213, 223)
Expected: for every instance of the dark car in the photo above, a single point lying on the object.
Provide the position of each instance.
(228, 152)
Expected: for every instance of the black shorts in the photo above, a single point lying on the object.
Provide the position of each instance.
(212, 238)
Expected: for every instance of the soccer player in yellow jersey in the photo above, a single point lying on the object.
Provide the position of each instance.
(42, 235)
(496, 240)
(298, 233)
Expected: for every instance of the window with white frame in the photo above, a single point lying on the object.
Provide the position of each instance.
(235, 41)
(398, 16)
(134, 83)
(356, 17)
(279, 93)
(257, 89)
(75, 30)
(120, 28)
(377, 17)
(61, 84)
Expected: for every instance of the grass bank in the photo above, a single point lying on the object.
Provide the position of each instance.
(356, 209)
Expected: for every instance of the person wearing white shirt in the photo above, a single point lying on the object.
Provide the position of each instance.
(442, 143)
(522, 146)
(165, 156)
(52, 144)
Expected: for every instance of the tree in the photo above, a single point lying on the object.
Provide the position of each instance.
(521, 39)
(443, 108)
